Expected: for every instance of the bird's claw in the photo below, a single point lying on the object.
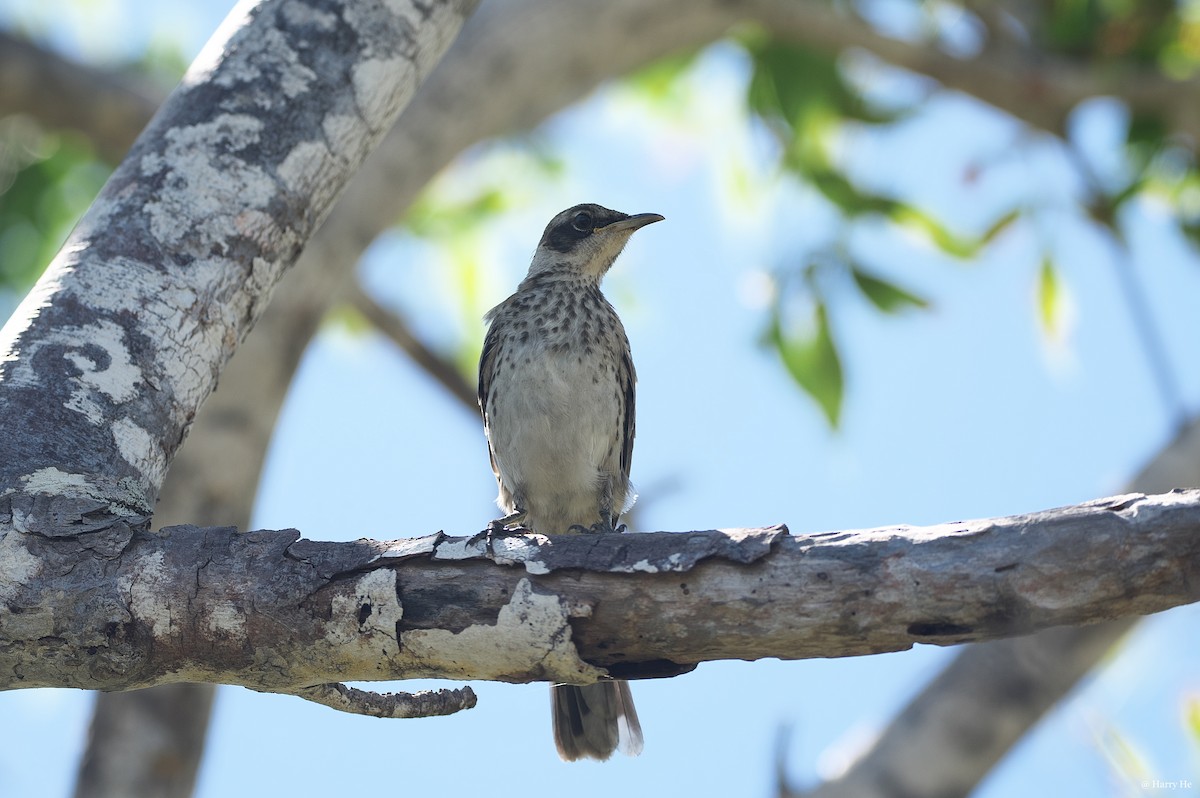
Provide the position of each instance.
(499, 527)
(598, 528)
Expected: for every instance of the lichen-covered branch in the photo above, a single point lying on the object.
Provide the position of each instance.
(270, 611)
(106, 362)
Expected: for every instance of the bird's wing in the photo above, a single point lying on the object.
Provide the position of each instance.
(487, 366)
(627, 378)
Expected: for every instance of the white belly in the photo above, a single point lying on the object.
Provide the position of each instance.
(555, 431)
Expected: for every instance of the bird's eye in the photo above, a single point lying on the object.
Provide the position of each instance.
(583, 222)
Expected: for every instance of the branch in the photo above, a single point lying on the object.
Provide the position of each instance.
(1035, 86)
(425, 704)
(106, 362)
(278, 614)
(109, 108)
(394, 328)
(145, 743)
(952, 732)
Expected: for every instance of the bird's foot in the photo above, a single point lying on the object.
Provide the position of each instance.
(510, 524)
(598, 528)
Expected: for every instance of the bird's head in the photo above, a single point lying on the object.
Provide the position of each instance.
(586, 240)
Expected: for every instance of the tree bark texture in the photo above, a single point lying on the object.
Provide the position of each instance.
(108, 359)
(148, 742)
(956, 729)
(276, 613)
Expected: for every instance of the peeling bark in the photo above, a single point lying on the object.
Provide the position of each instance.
(270, 611)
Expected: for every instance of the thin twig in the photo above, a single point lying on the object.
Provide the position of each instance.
(425, 704)
(391, 325)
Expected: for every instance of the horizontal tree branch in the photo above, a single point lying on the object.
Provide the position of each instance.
(275, 613)
(952, 732)
(1036, 86)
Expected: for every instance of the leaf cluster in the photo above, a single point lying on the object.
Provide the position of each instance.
(47, 180)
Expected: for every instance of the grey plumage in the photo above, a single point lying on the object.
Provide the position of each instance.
(556, 389)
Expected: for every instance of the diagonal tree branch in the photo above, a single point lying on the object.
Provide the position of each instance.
(110, 109)
(275, 613)
(108, 359)
(133, 724)
(396, 330)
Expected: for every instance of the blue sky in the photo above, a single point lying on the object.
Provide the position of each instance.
(961, 411)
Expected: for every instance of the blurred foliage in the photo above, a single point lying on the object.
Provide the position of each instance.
(47, 181)
(1132, 31)
(806, 100)
(455, 215)
(162, 61)
(810, 356)
(1050, 299)
(1191, 719)
(1128, 764)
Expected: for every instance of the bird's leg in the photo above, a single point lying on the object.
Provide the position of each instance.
(607, 520)
(608, 524)
(605, 526)
(510, 524)
(515, 520)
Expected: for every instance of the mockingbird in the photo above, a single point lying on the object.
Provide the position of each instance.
(556, 388)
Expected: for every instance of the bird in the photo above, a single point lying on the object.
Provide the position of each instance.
(556, 391)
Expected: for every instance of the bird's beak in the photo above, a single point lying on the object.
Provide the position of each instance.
(638, 220)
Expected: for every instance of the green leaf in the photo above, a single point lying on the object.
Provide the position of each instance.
(658, 80)
(47, 181)
(1191, 717)
(838, 189)
(888, 297)
(430, 217)
(790, 83)
(812, 361)
(940, 235)
(1121, 754)
(998, 227)
(1050, 299)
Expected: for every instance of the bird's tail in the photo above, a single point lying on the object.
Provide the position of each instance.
(592, 721)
